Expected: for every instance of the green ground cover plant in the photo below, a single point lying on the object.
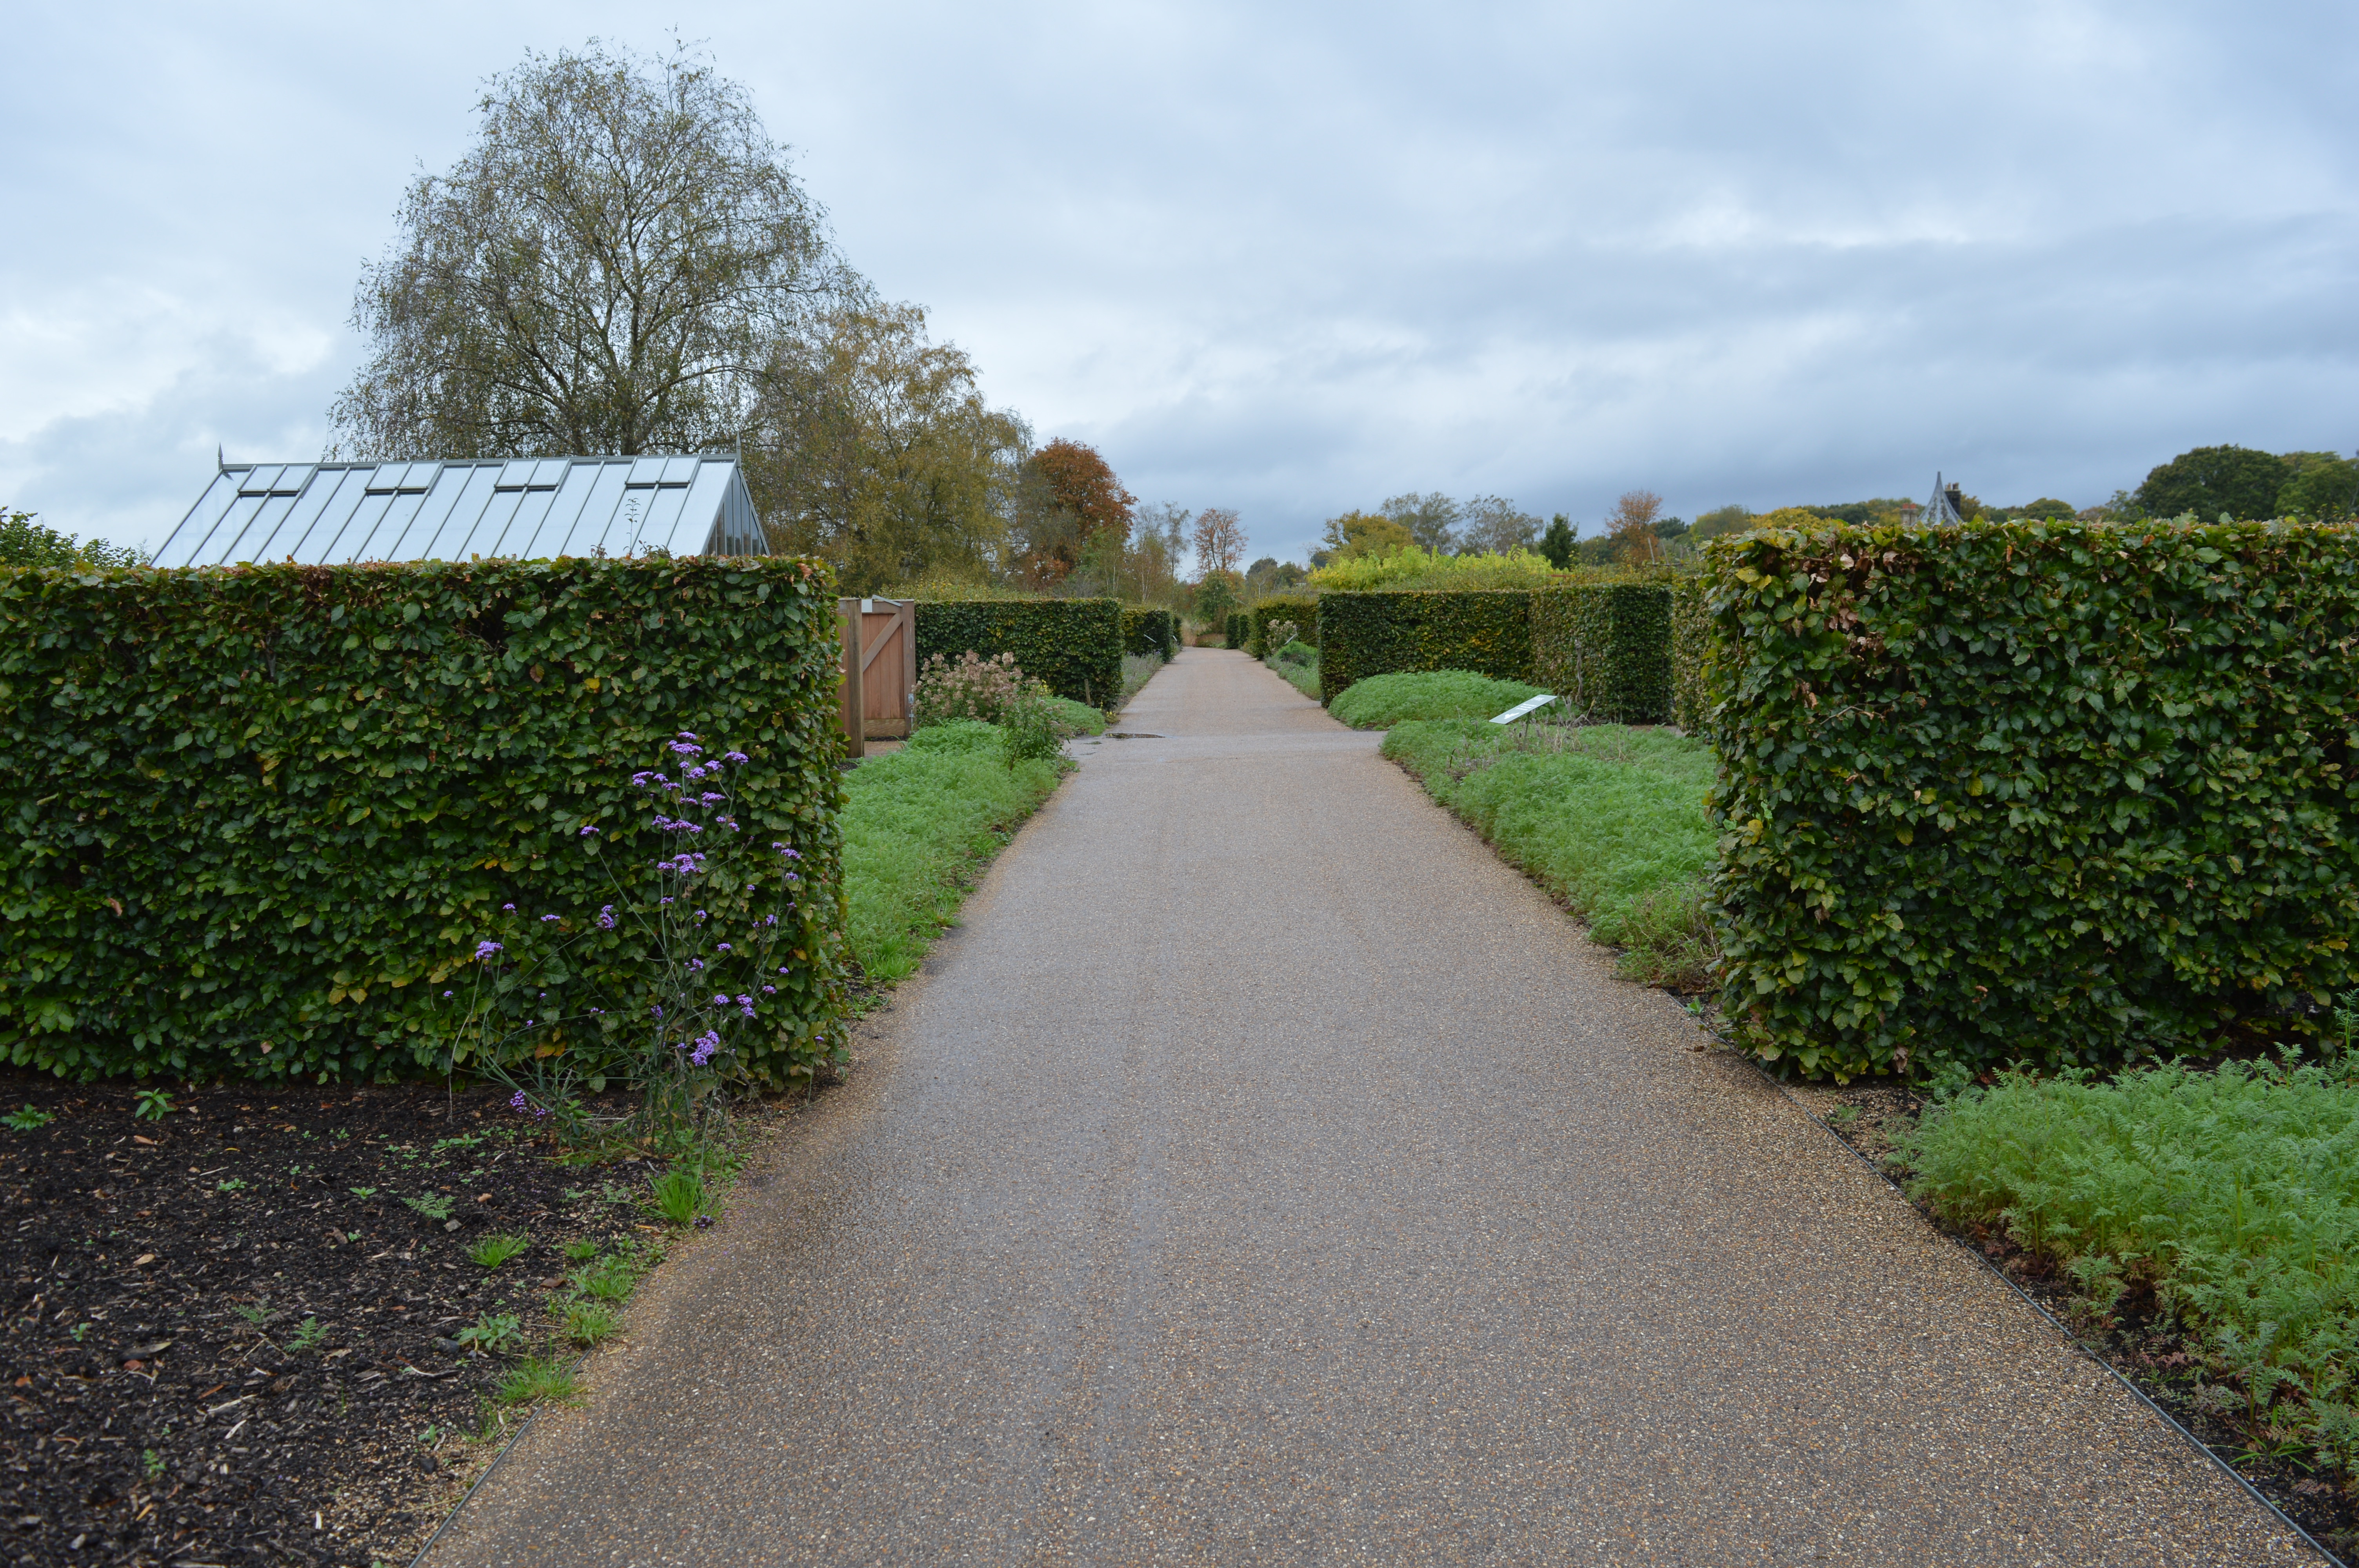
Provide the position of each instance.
(1137, 669)
(1380, 702)
(2226, 1201)
(917, 823)
(1298, 662)
(2068, 793)
(1610, 820)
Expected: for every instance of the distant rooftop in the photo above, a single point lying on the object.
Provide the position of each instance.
(529, 508)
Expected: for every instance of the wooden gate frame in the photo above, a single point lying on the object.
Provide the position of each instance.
(863, 638)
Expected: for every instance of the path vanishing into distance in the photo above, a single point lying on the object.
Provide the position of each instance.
(1266, 1174)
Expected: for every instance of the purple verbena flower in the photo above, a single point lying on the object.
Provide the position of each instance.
(589, 830)
(547, 918)
(485, 949)
(769, 990)
(509, 906)
(736, 756)
(606, 918)
(721, 1001)
(724, 946)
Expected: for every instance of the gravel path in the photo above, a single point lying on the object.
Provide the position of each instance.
(1266, 1174)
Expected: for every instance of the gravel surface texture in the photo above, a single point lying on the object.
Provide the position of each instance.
(1266, 1172)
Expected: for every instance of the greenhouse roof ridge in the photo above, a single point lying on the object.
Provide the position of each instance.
(329, 513)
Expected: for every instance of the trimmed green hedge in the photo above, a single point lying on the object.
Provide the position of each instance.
(2055, 792)
(1486, 631)
(1691, 646)
(1606, 649)
(258, 817)
(1233, 628)
(1074, 644)
(1150, 631)
(1300, 608)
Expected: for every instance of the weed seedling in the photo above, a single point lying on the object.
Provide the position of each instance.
(494, 1250)
(362, 1192)
(608, 1280)
(27, 1120)
(153, 1104)
(536, 1378)
(231, 1185)
(433, 1205)
(678, 1196)
(581, 1252)
(258, 1313)
(153, 1462)
(591, 1322)
(493, 1333)
(1842, 1116)
(77, 1331)
(308, 1335)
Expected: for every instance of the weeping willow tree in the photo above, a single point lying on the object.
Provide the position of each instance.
(610, 269)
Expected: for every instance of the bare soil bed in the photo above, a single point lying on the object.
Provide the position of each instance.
(229, 1332)
(2137, 1340)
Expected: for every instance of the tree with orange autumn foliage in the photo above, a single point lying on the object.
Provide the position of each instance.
(1082, 510)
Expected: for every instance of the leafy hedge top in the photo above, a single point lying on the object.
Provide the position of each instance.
(1302, 608)
(258, 816)
(1074, 644)
(2060, 791)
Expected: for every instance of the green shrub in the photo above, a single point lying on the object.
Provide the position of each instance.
(1234, 628)
(1609, 819)
(301, 794)
(1606, 649)
(1146, 631)
(2055, 792)
(1690, 645)
(1380, 702)
(1300, 608)
(1033, 732)
(1073, 644)
(2233, 1195)
(1410, 568)
(1363, 634)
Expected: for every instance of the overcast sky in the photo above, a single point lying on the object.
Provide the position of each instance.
(1296, 259)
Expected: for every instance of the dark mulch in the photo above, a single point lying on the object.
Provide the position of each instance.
(164, 1407)
(2139, 1341)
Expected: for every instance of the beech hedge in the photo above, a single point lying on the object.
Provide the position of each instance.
(259, 816)
(2048, 791)
(1302, 608)
(1606, 649)
(1690, 647)
(1486, 632)
(1150, 631)
(1074, 644)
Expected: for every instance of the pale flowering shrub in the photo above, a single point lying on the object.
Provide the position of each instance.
(971, 687)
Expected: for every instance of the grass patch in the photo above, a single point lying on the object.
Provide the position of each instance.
(537, 1378)
(1380, 702)
(494, 1250)
(1606, 817)
(917, 823)
(1078, 717)
(2226, 1201)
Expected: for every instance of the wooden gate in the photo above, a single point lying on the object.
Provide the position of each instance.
(880, 667)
